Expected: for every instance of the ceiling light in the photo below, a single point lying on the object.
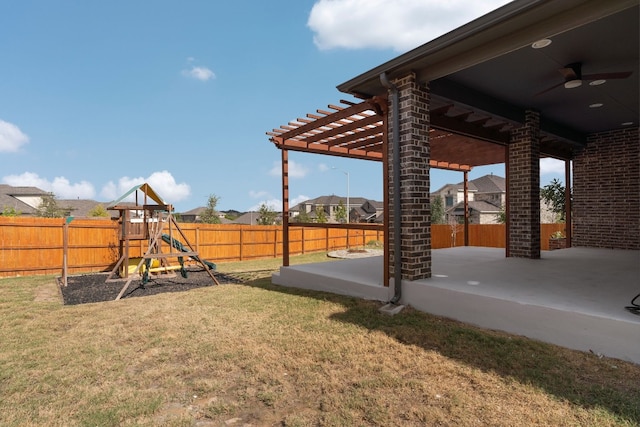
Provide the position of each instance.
(596, 105)
(541, 43)
(626, 123)
(570, 84)
(597, 82)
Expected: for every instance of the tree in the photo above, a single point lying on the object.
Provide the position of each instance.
(99, 211)
(303, 216)
(49, 208)
(266, 215)
(437, 210)
(341, 213)
(9, 211)
(456, 226)
(210, 214)
(501, 217)
(554, 195)
(321, 215)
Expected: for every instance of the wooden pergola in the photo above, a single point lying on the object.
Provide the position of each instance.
(460, 138)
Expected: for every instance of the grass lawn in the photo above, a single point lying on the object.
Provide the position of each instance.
(262, 355)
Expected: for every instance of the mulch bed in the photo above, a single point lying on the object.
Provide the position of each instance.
(93, 287)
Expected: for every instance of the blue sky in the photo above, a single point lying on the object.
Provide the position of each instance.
(98, 96)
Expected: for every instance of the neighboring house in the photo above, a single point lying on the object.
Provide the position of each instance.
(251, 218)
(371, 211)
(480, 212)
(81, 208)
(26, 200)
(360, 209)
(22, 199)
(486, 195)
(194, 215)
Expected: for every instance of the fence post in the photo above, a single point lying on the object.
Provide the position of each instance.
(241, 243)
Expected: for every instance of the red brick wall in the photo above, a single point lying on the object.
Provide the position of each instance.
(606, 191)
(524, 189)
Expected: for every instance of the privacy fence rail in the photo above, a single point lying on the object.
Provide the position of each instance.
(31, 246)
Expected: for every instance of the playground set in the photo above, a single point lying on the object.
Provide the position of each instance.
(148, 222)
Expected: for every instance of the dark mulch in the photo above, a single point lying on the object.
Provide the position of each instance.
(93, 287)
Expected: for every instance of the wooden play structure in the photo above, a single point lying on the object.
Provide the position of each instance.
(155, 224)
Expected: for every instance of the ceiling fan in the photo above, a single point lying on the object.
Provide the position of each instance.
(573, 77)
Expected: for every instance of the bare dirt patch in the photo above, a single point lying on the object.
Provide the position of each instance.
(91, 288)
(48, 292)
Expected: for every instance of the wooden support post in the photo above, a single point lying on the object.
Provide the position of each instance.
(275, 243)
(466, 208)
(285, 207)
(65, 249)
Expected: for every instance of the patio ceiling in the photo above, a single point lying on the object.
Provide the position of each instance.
(492, 66)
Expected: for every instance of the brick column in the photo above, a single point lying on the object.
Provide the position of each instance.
(414, 178)
(606, 191)
(524, 189)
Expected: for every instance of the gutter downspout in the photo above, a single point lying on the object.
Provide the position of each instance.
(397, 211)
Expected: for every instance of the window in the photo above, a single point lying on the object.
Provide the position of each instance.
(448, 201)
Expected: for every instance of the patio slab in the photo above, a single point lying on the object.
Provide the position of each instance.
(574, 297)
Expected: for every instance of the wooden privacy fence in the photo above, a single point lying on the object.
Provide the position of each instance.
(30, 246)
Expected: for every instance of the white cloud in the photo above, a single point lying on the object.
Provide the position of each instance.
(323, 167)
(296, 170)
(162, 182)
(390, 24)
(199, 73)
(60, 186)
(296, 200)
(276, 204)
(11, 137)
(551, 166)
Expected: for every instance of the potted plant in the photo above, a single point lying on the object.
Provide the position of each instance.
(557, 241)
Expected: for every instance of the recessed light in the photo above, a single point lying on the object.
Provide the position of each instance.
(597, 82)
(539, 44)
(626, 123)
(596, 105)
(573, 83)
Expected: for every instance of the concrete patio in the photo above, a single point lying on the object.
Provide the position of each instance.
(574, 297)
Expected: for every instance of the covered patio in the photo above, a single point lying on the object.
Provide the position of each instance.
(532, 79)
(574, 297)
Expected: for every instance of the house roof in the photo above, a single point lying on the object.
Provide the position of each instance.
(195, 211)
(489, 184)
(8, 197)
(250, 218)
(332, 200)
(477, 205)
(488, 70)
(81, 207)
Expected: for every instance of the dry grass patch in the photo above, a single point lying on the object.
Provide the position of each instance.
(258, 354)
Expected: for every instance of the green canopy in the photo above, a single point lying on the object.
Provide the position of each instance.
(146, 189)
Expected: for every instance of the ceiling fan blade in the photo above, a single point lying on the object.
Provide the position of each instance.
(608, 76)
(549, 89)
